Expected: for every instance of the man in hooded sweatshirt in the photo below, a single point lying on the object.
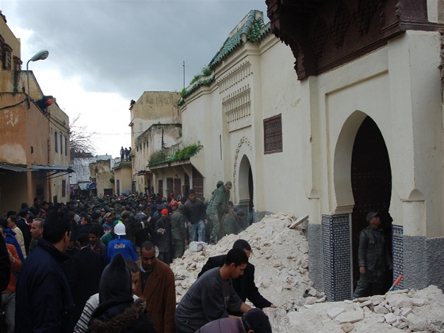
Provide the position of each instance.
(117, 311)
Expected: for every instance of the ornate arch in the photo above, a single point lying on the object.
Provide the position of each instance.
(243, 141)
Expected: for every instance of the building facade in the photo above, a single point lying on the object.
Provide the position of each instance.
(34, 132)
(155, 125)
(102, 176)
(344, 119)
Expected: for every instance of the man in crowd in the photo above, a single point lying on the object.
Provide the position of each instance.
(217, 207)
(8, 295)
(22, 223)
(194, 211)
(373, 259)
(84, 279)
(156, 284)
(43, 297)
(233, 221)
(18, 233)
(95, 242)
(120, 245)
(93, 301)
(163, 236)
(36, 232)
(244, 284)
(179, 232)
(212, 295)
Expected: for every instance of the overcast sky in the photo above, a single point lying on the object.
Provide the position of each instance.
(104, 53)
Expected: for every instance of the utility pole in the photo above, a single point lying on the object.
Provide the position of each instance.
(184, 73)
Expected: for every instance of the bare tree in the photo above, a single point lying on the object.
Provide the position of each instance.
(80, 140)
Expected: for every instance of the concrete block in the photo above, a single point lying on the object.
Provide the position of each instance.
(416, 323)
(390, 318)
(380, 309)
(351, 316)
(348, 327)
(334, 312)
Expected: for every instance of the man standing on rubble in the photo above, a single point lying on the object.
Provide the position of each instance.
(217, 207)
(373, 259)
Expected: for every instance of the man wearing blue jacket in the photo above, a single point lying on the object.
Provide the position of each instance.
(120, 245)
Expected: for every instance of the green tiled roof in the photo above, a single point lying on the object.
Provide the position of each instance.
(254, 29)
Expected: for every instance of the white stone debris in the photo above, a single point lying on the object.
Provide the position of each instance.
(280, 254)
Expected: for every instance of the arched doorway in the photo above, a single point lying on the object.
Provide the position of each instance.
(371, 182)
(246, 187)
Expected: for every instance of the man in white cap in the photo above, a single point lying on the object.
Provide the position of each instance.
(120, 245)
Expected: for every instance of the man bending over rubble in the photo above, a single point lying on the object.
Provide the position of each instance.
(212, 294)
(243, 285)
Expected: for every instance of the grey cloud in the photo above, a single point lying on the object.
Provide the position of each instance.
(130, 46)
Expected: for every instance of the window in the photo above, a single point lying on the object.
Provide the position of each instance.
(61, 143)
(66, 146)
(63, 188)
(55, 142)
(273, 134)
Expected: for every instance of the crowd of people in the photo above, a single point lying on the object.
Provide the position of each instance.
(102, 265)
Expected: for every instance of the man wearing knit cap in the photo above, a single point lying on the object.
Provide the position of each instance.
(217, 207)
(120, 245)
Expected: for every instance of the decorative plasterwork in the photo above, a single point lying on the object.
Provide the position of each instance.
(243, 141)
(324, 34)
(237, 105)
(236, 75)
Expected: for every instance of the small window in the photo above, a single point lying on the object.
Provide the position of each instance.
(273, 135)
(61, 143)
(55, 142)
(66, 146)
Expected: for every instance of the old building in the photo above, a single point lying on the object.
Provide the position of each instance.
(101, 176)
(370, 124)
(155, 125)
(357, 127)
(34, 132)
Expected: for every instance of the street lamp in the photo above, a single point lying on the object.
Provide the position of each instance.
(41, 55)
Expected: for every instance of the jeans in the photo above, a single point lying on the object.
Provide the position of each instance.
(8, 301)
(197, 230)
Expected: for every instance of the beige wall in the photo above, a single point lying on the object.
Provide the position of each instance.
(153, 107)
(100, 172)
(148, 143)
(122, 175)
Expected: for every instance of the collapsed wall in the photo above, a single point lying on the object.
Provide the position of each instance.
(280, 254)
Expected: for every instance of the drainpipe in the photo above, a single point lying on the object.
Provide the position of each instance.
(48, 181)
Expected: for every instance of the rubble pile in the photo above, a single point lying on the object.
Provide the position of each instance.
(396, 311)
(279, 253)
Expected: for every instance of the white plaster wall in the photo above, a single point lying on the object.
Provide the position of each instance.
(398, 87)
(279, 175)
